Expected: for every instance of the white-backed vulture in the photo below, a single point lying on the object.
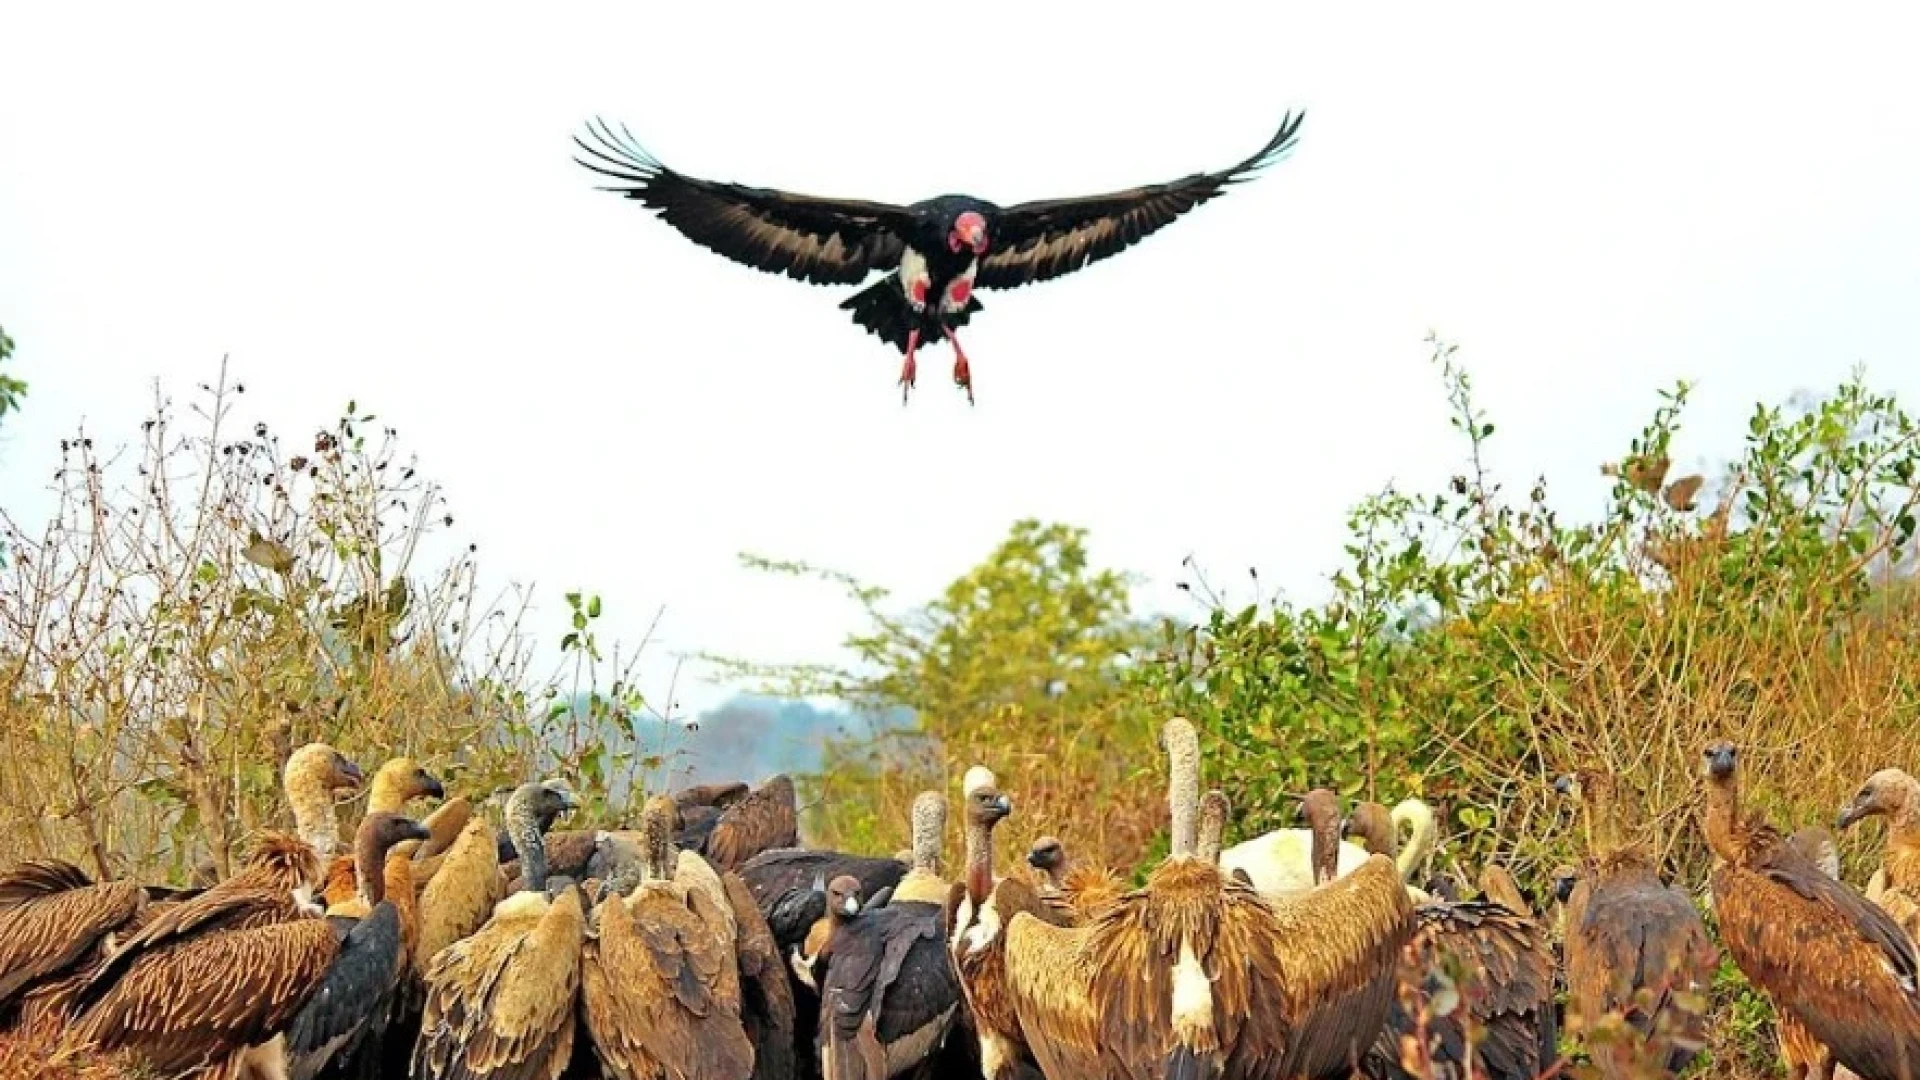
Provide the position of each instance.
(1839, 964)
(888, 993)
(660, 980)
(767, 818)
(923, 883)
(1076, 890)
(279, 999)
(311, 776)
(395, 784)
(1639, 961)
(1197, 974)
(1506, 992)
(1893, 794)
(1280, 863)
(501, 1002)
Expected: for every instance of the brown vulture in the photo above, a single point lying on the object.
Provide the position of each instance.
(888, 993)
(933, 253)
(1824, 953)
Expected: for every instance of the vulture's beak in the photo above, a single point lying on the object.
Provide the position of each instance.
(851, 906)
(1346, 827)
(1720, 762)
(1563, 887)
(417, 831)
(435, 789)
(1002, 805)
(1850, 813)
(1563, 785)
(350, 771)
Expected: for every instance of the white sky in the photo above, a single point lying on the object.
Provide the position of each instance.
(379, 202)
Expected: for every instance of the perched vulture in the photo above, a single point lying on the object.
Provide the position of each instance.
(1508, 989)
(660, 985)
(279, 998)
(1840, 965)
(501, 1002)
(923, 884)
(1076, 890)
(888, 993)
(311, 776)
(933, 253)
(767, 818)
(1636, 948)
(1803, 1054)
(1892, 794)
(789, 886)
(395, 784)
(55, 924)
(700, 808)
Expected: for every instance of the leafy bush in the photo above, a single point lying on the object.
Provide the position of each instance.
(196, 609)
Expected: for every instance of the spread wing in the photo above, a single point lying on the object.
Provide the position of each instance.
(822, 241)
(350, 1004)
(193, 1003)
(1828, 956)
(1035, 241)
(766, 819)
(56, 922)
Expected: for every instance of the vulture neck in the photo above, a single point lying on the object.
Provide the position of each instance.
(929, 830)
(370, 865)
(312, 804)
(524, 831)
(1183, 789)
(1213, 826)
(660, 855)
(979, 862)
(1903, 825)
(1326, 850)
(1420, 839)
(1723, 818)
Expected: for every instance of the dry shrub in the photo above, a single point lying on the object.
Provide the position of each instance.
(211, 598)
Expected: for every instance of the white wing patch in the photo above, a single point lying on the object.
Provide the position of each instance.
(914, 279)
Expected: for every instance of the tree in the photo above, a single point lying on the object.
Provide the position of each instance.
(1020, 663)
(11, 389)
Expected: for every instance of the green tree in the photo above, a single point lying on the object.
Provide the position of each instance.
(11, 389)
(1022, 659)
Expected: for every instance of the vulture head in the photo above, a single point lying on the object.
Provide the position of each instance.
(1889, 792)
(401, 780)
(1564, 879)
(1321, 809)
(969, 232)
(985, 803)
(1371, 824)
(1720, 760)
(1048, 856)
(843, 897)
(321, 765)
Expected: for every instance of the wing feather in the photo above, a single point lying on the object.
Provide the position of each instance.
(199, 1000)
(502, 1002)
(54, 920)
(822, 241)
(1035, 241)
(654, 976)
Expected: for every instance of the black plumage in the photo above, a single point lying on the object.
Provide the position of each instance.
(789, 886)
(346, 1018)
(933, 253)
(889, 995)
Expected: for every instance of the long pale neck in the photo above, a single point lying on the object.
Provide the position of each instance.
(369, 863)
(313, 818)
(1420, 843)
(1183, 792)
(927, 836)
(532, 849)
(1903, 827)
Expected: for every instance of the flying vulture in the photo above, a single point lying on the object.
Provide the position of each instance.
(934, 253)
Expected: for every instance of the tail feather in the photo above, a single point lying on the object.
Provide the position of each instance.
(1186, 1064)
(882, 309)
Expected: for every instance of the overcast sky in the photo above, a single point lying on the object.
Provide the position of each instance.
(378, 202)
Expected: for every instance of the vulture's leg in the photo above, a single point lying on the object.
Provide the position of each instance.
(907, 366)
(962, 374)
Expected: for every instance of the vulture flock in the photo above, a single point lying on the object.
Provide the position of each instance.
(708, 945)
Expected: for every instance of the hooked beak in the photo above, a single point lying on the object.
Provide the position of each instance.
(1563, 888)
(1002, 805)
(1850, 813)
(417, 831)
(350, 770)
(1720, 762)
(435, 789)
(1037, 860)
(1346, 827)
(850, 906)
